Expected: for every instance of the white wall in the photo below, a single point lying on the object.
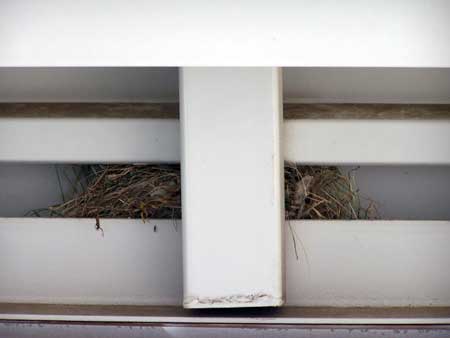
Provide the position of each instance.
(367, 85)
(88, 84)
(406, 192)
(28, 187)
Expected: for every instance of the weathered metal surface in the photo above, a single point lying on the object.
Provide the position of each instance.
(372, 111)
(367, 111)
(89, 110)
(242, 316)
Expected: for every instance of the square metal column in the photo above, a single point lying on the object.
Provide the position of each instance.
(232, 180)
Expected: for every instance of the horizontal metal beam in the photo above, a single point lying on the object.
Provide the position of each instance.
(293, 33)
(340, 263)
(313, 133)
(364, 142)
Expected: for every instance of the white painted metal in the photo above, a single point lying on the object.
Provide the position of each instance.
(402, 33)
(232, 187)
(367, 141)
(369, 263)
(68, 261)
(305, 141)
(347, 263)
(72, 140)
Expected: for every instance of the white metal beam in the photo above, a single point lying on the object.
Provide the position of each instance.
(341, 263)
(73, 140)
(354, 33)
(314, 141)
(331, 141)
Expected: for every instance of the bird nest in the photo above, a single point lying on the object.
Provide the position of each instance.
(154, 191)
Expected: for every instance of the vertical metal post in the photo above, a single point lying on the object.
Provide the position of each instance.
(232, 180)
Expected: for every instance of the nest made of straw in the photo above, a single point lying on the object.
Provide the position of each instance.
(323, 192)
(154, 191)
(126, 191)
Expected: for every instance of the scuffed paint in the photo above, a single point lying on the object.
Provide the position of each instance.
(257, 299)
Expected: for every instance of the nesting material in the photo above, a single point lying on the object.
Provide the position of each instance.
(154, 191)
(323, 192)
(126, 191)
